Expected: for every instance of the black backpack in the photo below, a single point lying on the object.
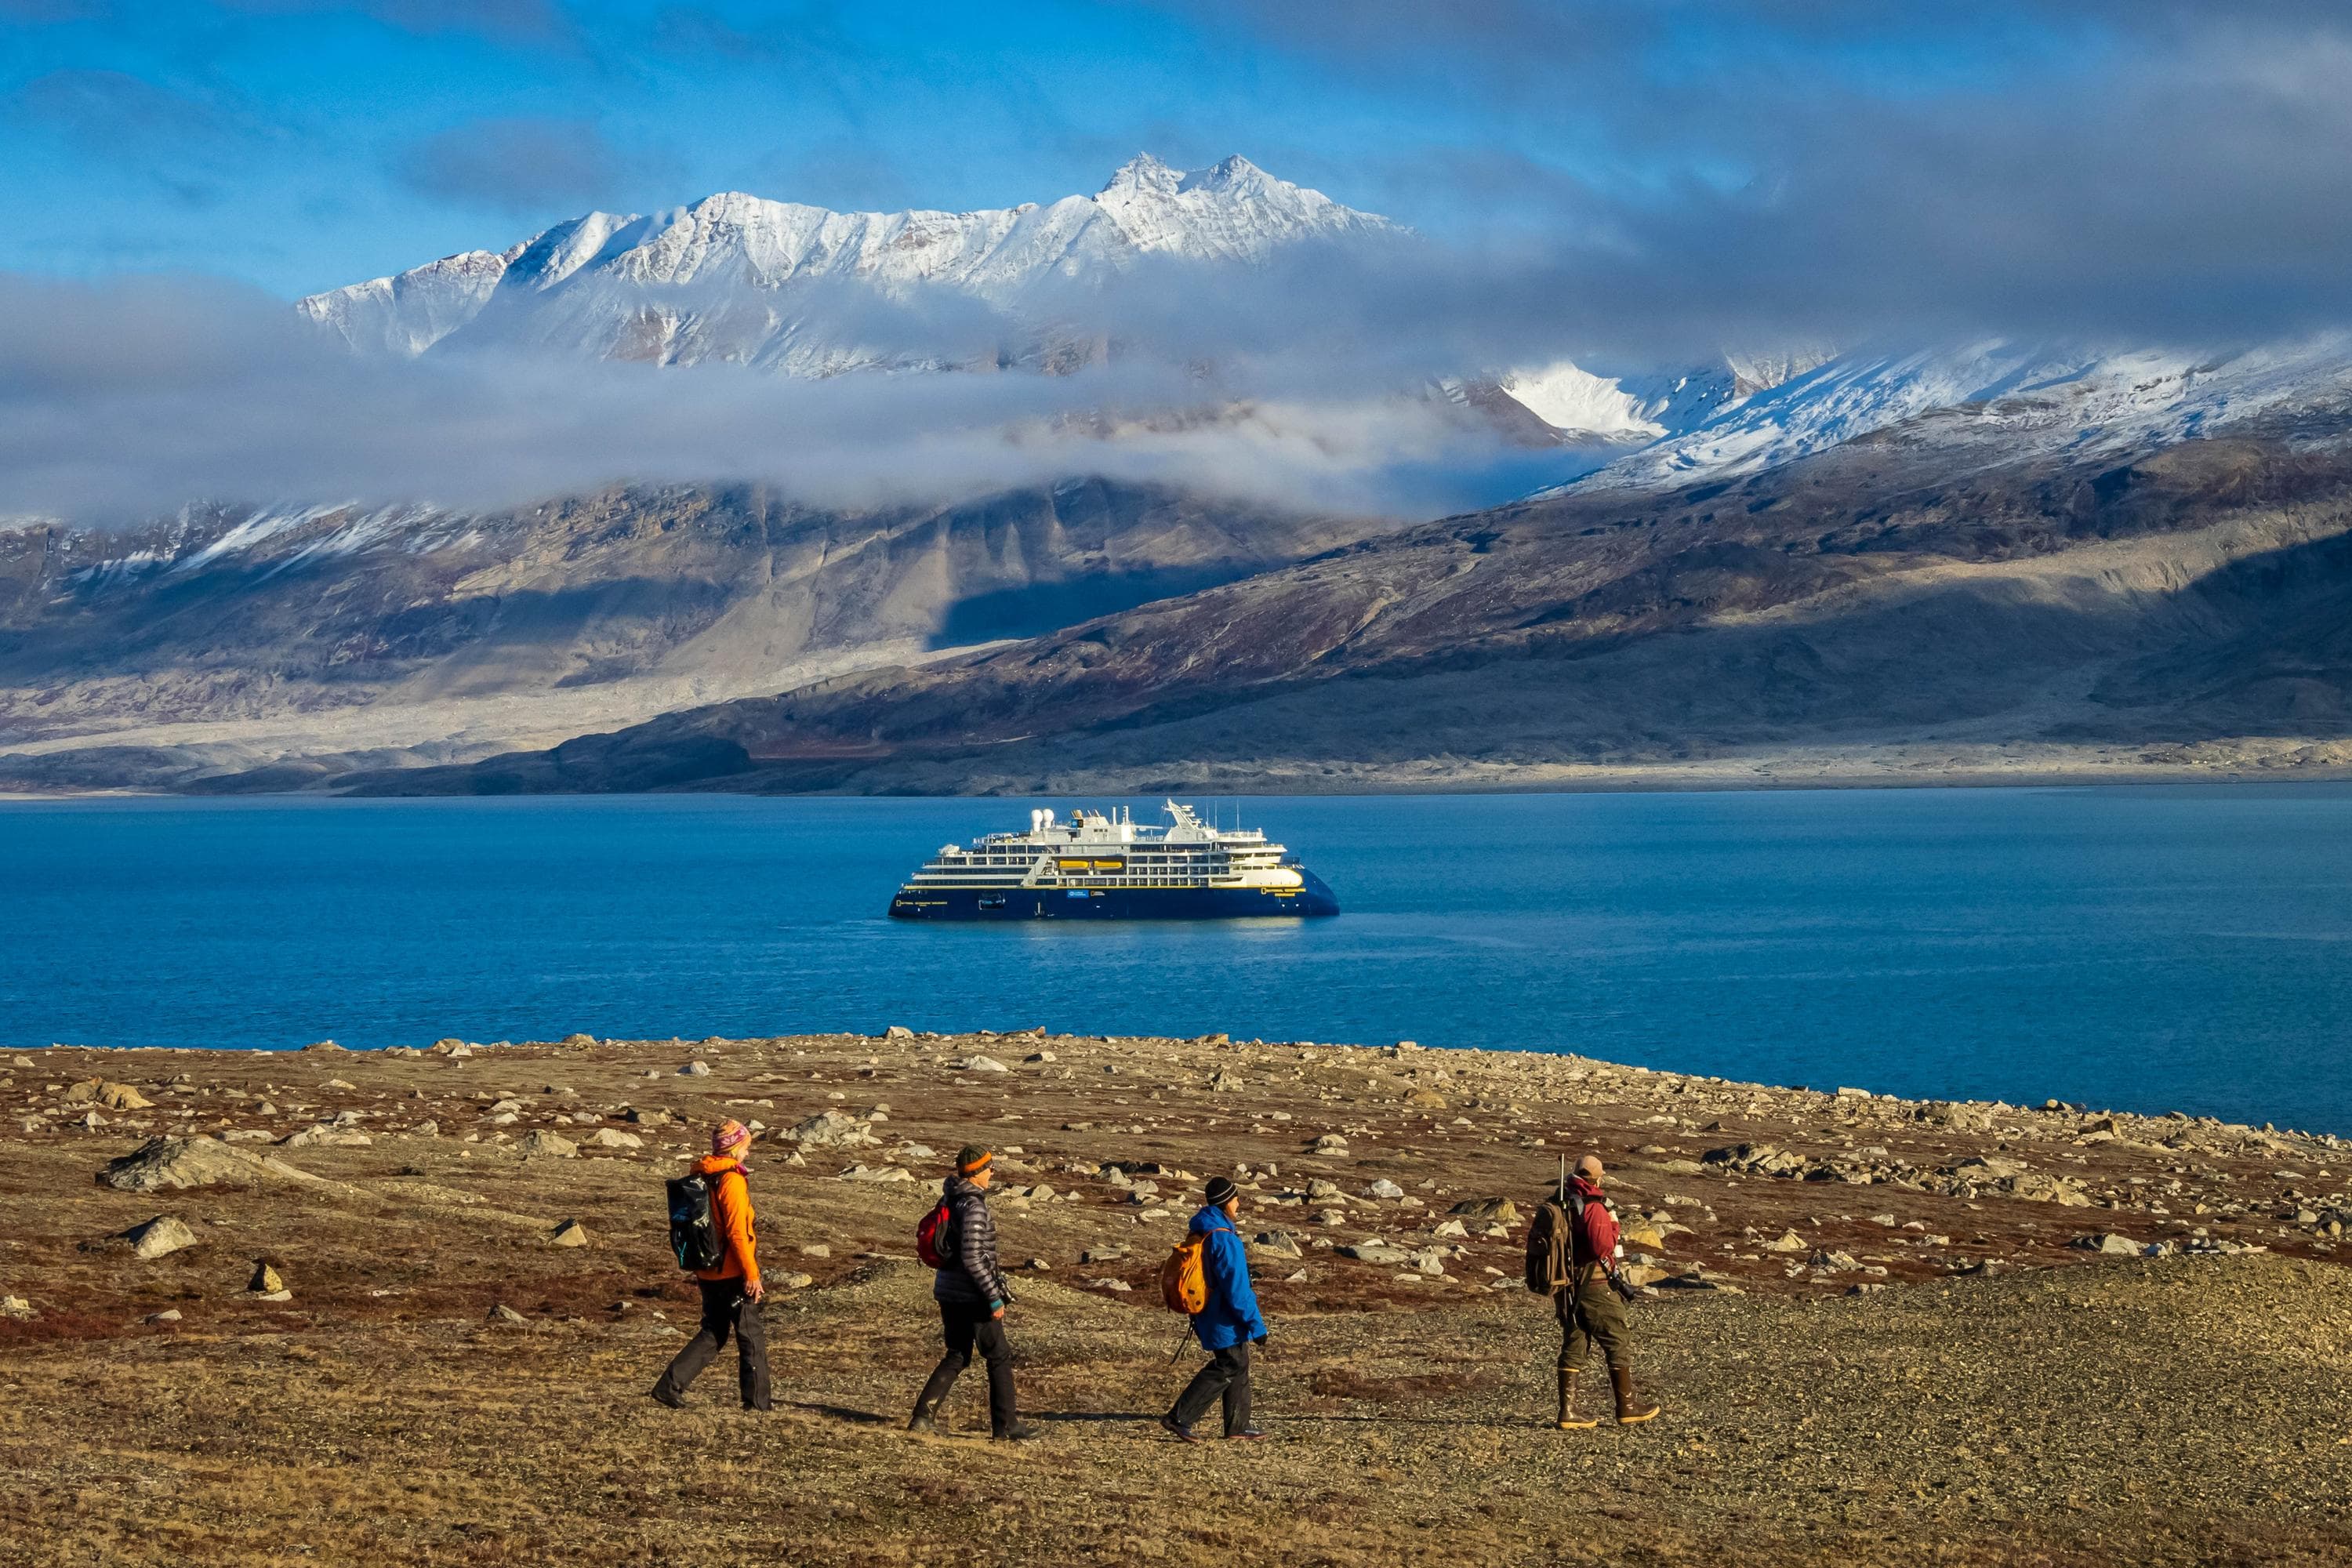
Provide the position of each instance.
(693, 1226)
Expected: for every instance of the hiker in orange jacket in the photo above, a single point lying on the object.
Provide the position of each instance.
(732, 1292)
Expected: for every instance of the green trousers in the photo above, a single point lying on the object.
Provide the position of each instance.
(1593, 1314)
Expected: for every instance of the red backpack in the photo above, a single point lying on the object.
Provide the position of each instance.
(934, 1237)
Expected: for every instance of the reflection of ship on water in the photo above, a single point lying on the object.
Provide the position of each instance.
(1095, 866)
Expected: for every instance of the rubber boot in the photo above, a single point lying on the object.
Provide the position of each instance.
(926, 1419)
(1567, 1421)
(1621, 1378)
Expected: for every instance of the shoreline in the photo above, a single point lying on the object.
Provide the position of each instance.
(1906, 765)
(2324, 1136)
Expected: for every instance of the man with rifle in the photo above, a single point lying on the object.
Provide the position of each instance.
(1572, 1258)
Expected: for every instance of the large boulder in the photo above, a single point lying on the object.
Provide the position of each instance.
(159, 1237)
(192, 1162)
(101, 1091)
(539, 1143)
(1502, 1211)
(831, 1127)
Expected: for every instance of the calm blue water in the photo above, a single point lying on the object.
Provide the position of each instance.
(2152, 949)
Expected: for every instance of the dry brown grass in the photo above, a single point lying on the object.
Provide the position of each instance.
(2186, 1411)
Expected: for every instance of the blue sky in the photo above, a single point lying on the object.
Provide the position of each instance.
(299, 146)
(1685, 173)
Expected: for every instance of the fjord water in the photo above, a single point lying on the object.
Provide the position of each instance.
(2149, 949)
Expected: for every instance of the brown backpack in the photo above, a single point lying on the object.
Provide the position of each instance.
(1551, 1247)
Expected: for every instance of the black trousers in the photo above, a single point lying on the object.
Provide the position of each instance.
(965, 1329)
(1227, 1373)
(726, 1312)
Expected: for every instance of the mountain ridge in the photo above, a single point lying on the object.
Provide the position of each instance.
(1008, 258)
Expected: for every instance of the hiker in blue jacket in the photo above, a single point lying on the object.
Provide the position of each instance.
(1226, 1325)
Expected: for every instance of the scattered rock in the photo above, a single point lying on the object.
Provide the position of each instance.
(978, 1064)
(1375, 1252)
(267, 1281)
(606, 1138)
(1787, 1241)
(571, 1233)
(325, 1133)
(1384, 1188)
(1331, 1144)
(898, 1032)
(695, 1069)
(168, 1315)
(877, 1174)
(540, 1145)
(1502, 1211)
(159, 1237)
(1280, 1243)
(322, 1046)
(794, 1281)
(16, 1307)
(2109, 1243)
(502, 1313)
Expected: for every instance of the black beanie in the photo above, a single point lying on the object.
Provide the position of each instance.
(1222, 1191)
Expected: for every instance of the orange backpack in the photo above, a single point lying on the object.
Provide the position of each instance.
(1183, 1279)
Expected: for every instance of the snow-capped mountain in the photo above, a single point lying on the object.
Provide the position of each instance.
(739, 278)
(2016, 398)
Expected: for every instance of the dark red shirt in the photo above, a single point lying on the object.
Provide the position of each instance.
(1596, 1233)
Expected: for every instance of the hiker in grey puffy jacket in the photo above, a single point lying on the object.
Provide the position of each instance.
(973, 1296)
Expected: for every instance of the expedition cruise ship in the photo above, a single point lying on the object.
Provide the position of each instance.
(1098, 866)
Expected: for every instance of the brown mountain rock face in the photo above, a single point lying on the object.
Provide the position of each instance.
(1855, 603)
(315, 641)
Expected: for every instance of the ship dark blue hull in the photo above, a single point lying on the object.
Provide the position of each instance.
(1113, 903)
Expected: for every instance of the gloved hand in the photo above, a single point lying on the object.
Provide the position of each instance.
(1261, 1338)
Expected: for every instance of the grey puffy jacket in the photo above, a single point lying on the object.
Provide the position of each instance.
(973, 1279)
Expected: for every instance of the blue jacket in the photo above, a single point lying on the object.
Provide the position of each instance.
(1231, 1313)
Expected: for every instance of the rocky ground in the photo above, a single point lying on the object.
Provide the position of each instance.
(328, 1307)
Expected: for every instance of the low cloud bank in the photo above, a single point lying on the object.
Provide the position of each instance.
(122, 400)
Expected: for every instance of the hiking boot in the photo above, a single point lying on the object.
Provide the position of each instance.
(1246, 1435)
(664, 1396)
(1177, 1429)
(1567, 1421)
(1019, 1431)
(1627, 1413)
(925, 1420)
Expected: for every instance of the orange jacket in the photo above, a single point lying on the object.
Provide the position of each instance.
(730, 1210)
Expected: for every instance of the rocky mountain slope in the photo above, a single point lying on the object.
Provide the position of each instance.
(226, 639)
(1861, 599)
